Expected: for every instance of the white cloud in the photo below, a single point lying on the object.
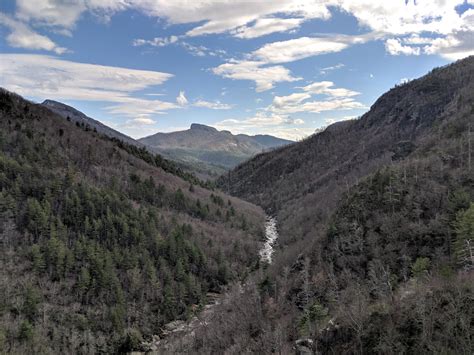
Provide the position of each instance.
(22, 36)
(324, 71)
(266, 26)
(257, 69)
(219, 16)
(381, 19)
(299, 48)
(394, 47)
(181, 99)
(50, 12)
(139, 109)
(261, 123)
(141, 121)
(156, 42)
(42, 76)
(325, 88)
(217, 105)
(319, 106)
(405, 17)
(330, 121)
(201, 51)
(293, 99)
(339, 99)
(227, 15)
(197, 51)
(264, 77)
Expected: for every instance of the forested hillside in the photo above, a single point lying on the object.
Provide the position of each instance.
(376, 223)
(102, 242)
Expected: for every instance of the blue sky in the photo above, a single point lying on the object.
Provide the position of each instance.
(282, 67)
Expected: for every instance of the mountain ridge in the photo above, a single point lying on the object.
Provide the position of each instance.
(375, 220)
(206, 146)
(104, 240)
(75, 115)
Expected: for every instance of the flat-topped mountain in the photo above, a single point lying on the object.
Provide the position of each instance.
(209, 148)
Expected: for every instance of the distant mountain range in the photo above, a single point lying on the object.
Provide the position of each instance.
(209, 148)
(201, 149)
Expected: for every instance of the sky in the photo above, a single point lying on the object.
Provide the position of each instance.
(280, 67)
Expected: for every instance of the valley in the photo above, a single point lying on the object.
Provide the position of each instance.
(372, 220)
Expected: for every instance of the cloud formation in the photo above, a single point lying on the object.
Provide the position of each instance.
(392, 21)
(44, 76)
(334, 99)
(216, 105)
(181, 100)
(265, 77)
(22, 36)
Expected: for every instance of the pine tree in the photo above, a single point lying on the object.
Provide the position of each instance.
(464, 244)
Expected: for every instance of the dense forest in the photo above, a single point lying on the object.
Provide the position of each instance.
(102, 243)
(376, 230)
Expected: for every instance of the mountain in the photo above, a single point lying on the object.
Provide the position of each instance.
(376, 222)
(80, 118)
(316, 171)
(206, 147)
(102, 242)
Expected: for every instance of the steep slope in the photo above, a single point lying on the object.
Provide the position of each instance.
(77, 116)
(86, 122)
(101, 243)
(302, 182)
(206, 146)
(377, 221)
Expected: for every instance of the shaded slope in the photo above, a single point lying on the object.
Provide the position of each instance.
(302, 182)
(377, 216)
(75, 115)
(99, 244)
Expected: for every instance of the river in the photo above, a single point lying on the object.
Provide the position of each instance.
(271, 235)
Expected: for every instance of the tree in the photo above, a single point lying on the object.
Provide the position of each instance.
(420, 267)
(464, 244)
(25, 332)
(32, 299)
(37, 259)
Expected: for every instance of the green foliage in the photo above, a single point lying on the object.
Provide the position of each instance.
(420, 267)
(31, 302)
(89, 233)
(132, 341)
(464, 244)
(25, 331)
(312, 318)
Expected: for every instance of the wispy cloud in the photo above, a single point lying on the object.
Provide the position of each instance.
(326, 70)
(216, 105)
(42, 76)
